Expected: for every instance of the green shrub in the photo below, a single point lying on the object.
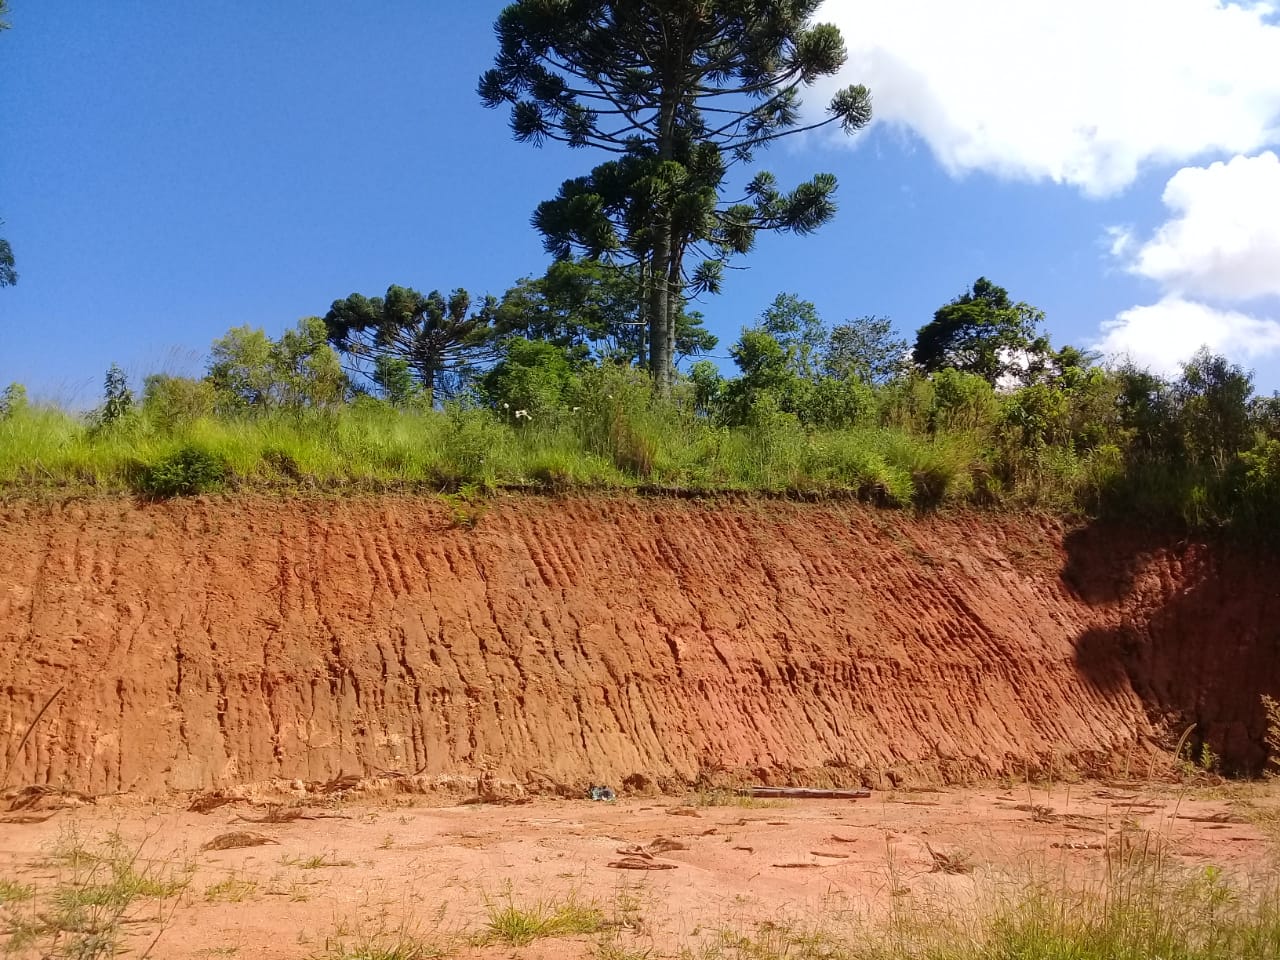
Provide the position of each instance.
(13, 401)
(534, 376)
(962, 402)
(186, 472)
(170, 403)
(838, 404)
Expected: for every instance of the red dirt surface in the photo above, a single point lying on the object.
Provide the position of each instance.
(355, 869)
(644, 643)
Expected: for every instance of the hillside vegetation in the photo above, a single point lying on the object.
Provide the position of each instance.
(812, 411)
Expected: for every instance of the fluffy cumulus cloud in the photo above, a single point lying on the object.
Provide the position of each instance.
(1221, 243)
(1223, 238)
(1164, 335)
(1083, 93)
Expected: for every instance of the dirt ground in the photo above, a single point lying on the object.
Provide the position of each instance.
(351, 871)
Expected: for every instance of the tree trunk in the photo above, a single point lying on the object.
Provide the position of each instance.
(675, 302)
(661, 326)
(660, 316)
(641, 354)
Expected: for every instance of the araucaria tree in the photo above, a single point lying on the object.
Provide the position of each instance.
(440, 341)
(679, 91)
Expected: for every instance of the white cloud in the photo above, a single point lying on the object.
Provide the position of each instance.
(1223, 240)
(1085, 93)
(1164, 335)
(1221, 243)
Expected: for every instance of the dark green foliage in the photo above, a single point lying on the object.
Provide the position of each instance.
(1196, 449)
(781, 359)
(676, 91)
(1265, 413)
(188, 471)
(766, 371)
(8, 275)
(305, 370)
(442, 341)
(1213, 396)
(394, 379)
(533, 379)
(961, 401)
(117, 398)
(240, 369)
(983, 332)
(708, 386)
(594, 311)
(796, 326)
(837, 404)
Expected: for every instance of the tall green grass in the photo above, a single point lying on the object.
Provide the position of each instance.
(1151, 911)
(611, 443)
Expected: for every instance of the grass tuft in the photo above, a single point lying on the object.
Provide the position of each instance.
(101, 890)
(519, 925)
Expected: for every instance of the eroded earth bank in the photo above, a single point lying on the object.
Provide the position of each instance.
(637, 642)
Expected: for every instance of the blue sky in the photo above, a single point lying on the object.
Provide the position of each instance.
(171, 170)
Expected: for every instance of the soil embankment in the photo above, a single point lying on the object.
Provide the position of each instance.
(219, 641)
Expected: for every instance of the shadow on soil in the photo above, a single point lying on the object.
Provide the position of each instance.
(1191, 626)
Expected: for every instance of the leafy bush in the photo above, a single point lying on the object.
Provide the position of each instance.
(534, 376)
(117, 399)
(13, 401)
(838, 404)
(186, 472)
(962, 401)
(170, 403)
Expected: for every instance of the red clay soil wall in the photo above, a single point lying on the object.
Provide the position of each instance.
(219, 641)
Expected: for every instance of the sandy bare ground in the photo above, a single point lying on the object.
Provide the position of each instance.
(348, 869)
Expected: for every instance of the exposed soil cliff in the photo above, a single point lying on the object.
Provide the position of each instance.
(210, 642)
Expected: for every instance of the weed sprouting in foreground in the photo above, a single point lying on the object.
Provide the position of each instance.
(101, 889)
(378, 936)
(518, 925)
(1144, 907)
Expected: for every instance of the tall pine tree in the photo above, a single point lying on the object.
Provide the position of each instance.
(679, 91)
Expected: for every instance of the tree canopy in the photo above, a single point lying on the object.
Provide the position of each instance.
(982, 331)
(865, 349)
(439, 339)
(678, 91)
(796, 326)
(594, 311)
(250, 371)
